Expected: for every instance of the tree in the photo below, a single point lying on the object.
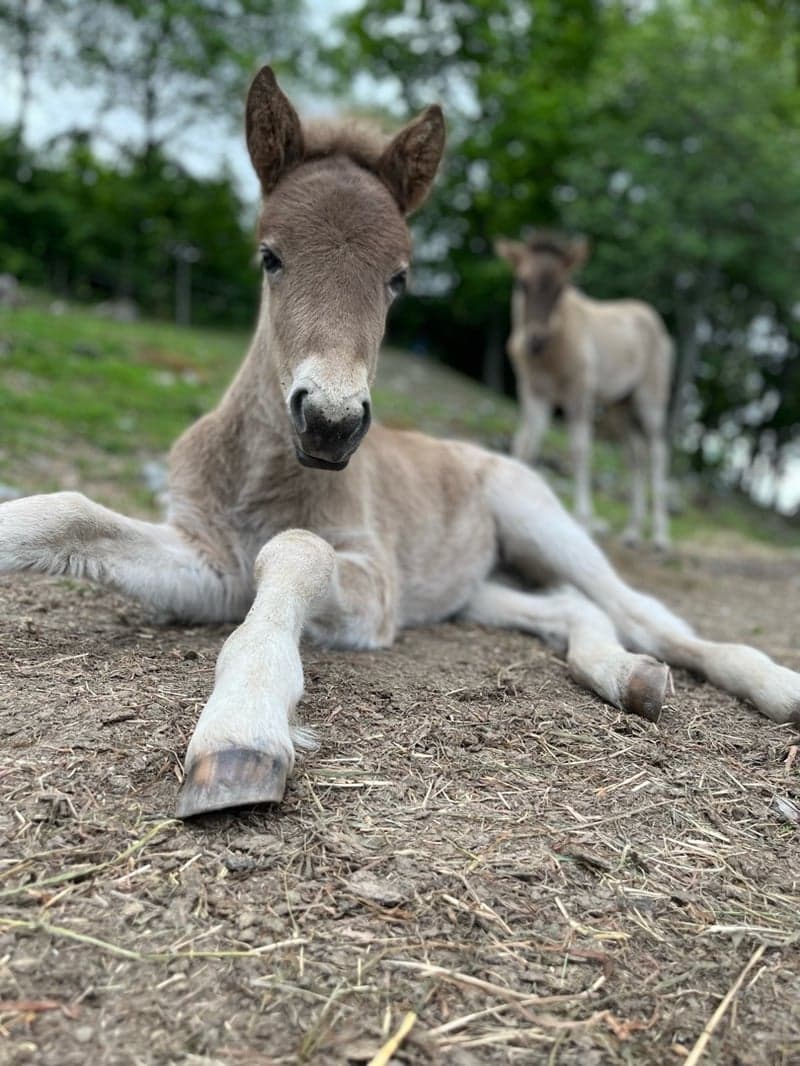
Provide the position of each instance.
(26, 39)
(175, 62)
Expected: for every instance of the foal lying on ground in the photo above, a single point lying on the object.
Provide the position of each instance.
(276, 518)
(572, 352)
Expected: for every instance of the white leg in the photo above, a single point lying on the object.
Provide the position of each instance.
(64, 533)
(242, 750)
(580, 434)
(659, 456)
(536, 534)
(595, 657)
(534, 420)
(632, 534)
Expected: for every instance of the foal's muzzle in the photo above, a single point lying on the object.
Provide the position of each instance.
(536, 343)
(326, 432)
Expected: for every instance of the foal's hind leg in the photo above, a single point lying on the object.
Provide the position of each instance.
(538, 536)
(64, 533)
(566, 619)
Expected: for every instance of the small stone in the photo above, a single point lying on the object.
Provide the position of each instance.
(25, 964)
(83, 1034)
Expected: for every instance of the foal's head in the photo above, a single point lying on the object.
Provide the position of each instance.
(542, 268)
(335, 251)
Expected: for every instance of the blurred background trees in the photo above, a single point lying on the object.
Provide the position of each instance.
(667, 131)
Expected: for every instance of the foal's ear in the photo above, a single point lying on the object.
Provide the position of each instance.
(511, 251)
(578, 252)
(409, 163)
(274, 133)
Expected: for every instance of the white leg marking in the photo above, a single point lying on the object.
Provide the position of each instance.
(259, 676)
(632, 534)
(534, 420)
(64, 533)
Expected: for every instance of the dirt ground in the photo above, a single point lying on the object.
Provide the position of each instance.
(480, 850)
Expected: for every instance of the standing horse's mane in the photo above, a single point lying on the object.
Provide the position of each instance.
(549, 241)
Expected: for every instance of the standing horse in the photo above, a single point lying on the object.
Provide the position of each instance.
(572, 352)
(278, 517)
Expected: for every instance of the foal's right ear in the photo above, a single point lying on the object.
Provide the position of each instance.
(409, 163)
(274, 133)
(511, 251)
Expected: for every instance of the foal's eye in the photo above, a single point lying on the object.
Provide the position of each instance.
(397, 282)
(271, 262)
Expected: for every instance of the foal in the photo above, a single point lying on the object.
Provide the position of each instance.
(278, 517)
(572, 352)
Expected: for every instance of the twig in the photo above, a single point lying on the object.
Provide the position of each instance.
(487, 986)
(145, 956)
(384, 1056)
(700, 1045)
(77, 872)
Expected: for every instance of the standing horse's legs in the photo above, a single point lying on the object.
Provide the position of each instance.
(632, 533)
(534, 419)
(537, 535)
(64, 533)
(659, 459)
(649, 409)
(572, 623)
(580, 439)
(242, 749)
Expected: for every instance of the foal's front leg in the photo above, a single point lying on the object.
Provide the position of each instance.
(242, 750)
(67, 534)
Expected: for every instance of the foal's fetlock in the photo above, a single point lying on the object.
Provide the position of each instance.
(232, 777)
(646, 687)
(631, 537)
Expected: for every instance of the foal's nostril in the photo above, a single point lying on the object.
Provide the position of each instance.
(366, 420)
(296, 401)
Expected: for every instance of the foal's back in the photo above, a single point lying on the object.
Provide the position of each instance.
(624, 343)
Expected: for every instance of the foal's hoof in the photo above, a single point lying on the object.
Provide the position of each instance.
(647, 687)
(231, 778)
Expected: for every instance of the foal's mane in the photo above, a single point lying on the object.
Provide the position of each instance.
(549, 241)
(358, 140)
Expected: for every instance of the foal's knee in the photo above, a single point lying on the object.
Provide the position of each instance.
(299, 557)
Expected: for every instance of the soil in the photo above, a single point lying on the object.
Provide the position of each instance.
(481, 857)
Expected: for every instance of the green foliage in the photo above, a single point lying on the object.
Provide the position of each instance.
(86, 229)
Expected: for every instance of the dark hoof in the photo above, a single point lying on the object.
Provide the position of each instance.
(647, 687)
(231, 778)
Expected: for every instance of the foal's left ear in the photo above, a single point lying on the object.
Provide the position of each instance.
(274, 133)
(409, 163)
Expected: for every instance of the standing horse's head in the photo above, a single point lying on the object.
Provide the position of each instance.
(335, 250)
(542, 268)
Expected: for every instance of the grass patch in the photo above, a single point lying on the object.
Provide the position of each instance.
(122, 387)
